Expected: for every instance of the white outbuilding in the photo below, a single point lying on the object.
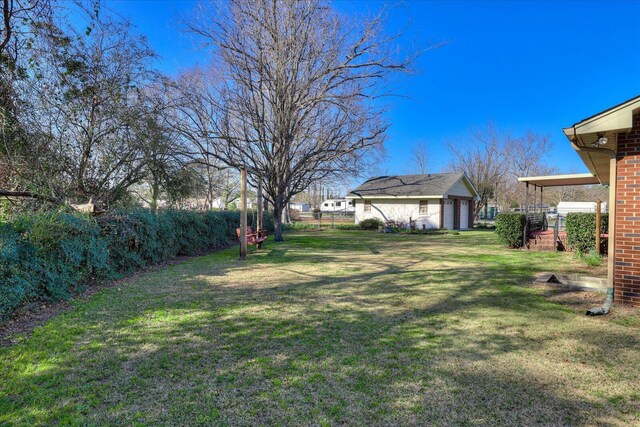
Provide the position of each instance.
(441, 200)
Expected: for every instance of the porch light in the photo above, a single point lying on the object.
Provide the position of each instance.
(602, 140)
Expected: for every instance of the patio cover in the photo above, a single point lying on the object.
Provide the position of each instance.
(561, 180)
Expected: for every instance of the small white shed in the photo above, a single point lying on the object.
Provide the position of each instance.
(443, 200)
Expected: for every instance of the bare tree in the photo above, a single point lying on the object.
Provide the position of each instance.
(482, 157)
(525, 156)
(419, 158)
(95, 110)
(20, 22)
(494, 160)
(291, 104)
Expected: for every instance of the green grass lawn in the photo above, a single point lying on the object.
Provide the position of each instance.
(332, 328)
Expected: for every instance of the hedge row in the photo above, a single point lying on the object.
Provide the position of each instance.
(581, 230)
(580, 227)
(51, 255)
(314, 226)
(371, 224)
(510, 228)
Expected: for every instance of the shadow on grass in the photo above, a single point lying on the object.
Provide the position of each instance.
(396, 345)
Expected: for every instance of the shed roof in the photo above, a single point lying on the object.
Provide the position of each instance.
(410, 186)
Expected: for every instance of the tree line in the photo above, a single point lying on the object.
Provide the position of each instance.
(84, 115)
(494, 160)
(291, 93)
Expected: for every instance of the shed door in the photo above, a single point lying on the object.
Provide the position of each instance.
(448, 214)
(464, 214)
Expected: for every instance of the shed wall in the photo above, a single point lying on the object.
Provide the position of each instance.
(459, 189)
(400, 211)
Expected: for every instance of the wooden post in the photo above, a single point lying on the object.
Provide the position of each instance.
(526, 198)
(598, 231)
(243, 213)
(259, 211)
(259, 205)
(541, 188)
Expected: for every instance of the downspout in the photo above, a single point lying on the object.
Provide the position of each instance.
(606, 306)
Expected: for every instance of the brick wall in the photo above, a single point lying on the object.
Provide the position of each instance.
(627, 256)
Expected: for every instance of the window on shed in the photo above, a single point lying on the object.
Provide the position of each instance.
(338, 203)
(367, 205)
(423, 207)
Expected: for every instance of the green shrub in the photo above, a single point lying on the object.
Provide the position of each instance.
(344, 226)
(317, 213)
(300, 226)
(592, 258)
(484, 226)
(371, 224)
(51, 255)
(510, 228)
(581, 230)
(48, 255)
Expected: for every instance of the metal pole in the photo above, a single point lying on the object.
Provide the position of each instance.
(243, 213)
(541, 188)
(598, 232)
(526, 198)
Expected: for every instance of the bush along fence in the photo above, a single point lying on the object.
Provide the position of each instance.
(581, 231)
(50, 255)
(510, 228)
(580, 228)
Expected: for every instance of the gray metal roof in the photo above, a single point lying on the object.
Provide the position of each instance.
(435, 184)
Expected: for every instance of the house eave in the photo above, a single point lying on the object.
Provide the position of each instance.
(609, 123)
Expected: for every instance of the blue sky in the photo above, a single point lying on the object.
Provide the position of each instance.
(539, 65)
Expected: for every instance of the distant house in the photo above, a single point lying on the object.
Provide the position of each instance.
(302, 207)
(442, 200)
(337, 205)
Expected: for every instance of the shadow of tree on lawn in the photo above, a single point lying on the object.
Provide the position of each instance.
(273, 341)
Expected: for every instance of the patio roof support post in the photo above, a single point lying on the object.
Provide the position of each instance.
(613, 177)
(598, 219)
(613, 172)
(526, 198)
(541, 188)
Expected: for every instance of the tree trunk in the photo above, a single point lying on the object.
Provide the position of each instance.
(155, 190)
(8, 193)
(277, 223)
(287, 214)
